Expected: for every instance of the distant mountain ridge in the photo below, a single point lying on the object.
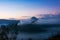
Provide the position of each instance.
(6, 21)
(49, 19)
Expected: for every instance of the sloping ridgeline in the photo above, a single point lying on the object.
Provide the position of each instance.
(4, 21)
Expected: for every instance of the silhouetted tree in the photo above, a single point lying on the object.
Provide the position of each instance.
(22, 39)
(29, 39)
(3, 34)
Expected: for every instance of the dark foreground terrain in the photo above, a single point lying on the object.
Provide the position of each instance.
(35, 28)
(12, 31)
(56, 37)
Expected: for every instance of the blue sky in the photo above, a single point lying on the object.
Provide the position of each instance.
(19, 8)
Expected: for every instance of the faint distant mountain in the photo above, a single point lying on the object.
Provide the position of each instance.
(12, 19)
(49, 19)
(46, 19)
(28, 21)
(51, 16)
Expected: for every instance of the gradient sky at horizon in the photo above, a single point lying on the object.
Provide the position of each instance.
(19, 8)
